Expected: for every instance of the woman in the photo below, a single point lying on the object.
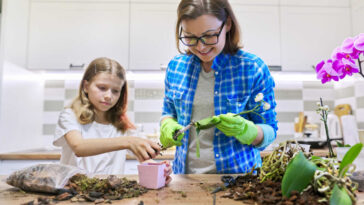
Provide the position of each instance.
(215, 77)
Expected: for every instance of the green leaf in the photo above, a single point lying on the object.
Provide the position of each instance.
(197, 143)
(298, 175)
(316, 158)
(339, 197)
(207, 122)
(349, 157)
(342, 145)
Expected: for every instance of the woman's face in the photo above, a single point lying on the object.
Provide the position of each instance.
(205, 25)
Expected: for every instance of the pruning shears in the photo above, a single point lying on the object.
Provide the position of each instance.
(228, 182)
(175, 136)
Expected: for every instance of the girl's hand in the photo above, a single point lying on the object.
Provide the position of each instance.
(143, 149)
(167, 171)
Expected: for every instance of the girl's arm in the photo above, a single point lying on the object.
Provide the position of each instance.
(143, 149)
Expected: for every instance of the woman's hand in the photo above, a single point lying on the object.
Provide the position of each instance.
(243, 130)
(167, 171)
(143, 149)
(168, 128)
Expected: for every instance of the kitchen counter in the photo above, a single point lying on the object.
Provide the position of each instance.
(47, 154)
(44, 154)
(184, 189)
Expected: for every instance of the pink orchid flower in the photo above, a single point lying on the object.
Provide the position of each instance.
(359, 43)
(348, 48)
(345, 67)
(338, 54)
(326, 72)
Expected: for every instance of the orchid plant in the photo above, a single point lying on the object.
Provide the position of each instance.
(342, 61)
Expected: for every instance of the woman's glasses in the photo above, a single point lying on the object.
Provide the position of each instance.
(205, 39)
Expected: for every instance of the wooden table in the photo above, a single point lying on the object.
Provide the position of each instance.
(196, 188)
(44, 154)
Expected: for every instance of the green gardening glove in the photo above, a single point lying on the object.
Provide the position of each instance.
(243, 130)
(168, 128)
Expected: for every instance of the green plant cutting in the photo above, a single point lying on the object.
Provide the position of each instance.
(233, 125)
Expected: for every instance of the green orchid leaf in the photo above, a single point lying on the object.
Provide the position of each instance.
(207, 122)
(298, 175)
(349, 157)
(339, 197)
(341, 144)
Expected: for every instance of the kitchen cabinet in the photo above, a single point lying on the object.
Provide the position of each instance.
(255, 2)
(152, 35)
(310, 34)
(62, 33)
(324, 3)
(357, 17)
(260, 31)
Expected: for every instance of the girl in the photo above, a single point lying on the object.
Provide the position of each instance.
(215, 77)
(93, 131)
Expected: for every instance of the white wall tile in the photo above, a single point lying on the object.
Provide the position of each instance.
(152, 84)
(131, 93)
(359, 113)
(50, 117)
(285, 128)
(315, 94)
(148, 105)
(289, 85)
(131, 116)
(72, 84)
(54, 94)
(359, 88)
(289, 105)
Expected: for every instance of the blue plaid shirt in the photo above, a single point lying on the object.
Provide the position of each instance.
(238, 79)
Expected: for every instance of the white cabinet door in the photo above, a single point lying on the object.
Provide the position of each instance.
(255, 2)
(152, 35)
(358, 16)
(260, 31)
(64, 33)
(324, 3)
(310, 34)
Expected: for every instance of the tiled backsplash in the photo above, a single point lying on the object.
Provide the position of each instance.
(146, 97)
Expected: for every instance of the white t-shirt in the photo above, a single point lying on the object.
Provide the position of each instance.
(107, 163)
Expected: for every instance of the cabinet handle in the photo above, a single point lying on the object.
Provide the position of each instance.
(163, 67)
(76, 67)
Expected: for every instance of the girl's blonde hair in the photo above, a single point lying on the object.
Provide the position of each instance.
(83, 108)
(221, 9)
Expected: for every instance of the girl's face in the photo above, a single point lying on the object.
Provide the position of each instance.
(103, 91)
(205, 25)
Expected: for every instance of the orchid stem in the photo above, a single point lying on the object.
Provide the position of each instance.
(360, 69)
(324, 117)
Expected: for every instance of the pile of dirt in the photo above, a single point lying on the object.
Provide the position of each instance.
(81, 188)
(249, 189)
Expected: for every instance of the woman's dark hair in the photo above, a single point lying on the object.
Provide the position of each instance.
(221, 9)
